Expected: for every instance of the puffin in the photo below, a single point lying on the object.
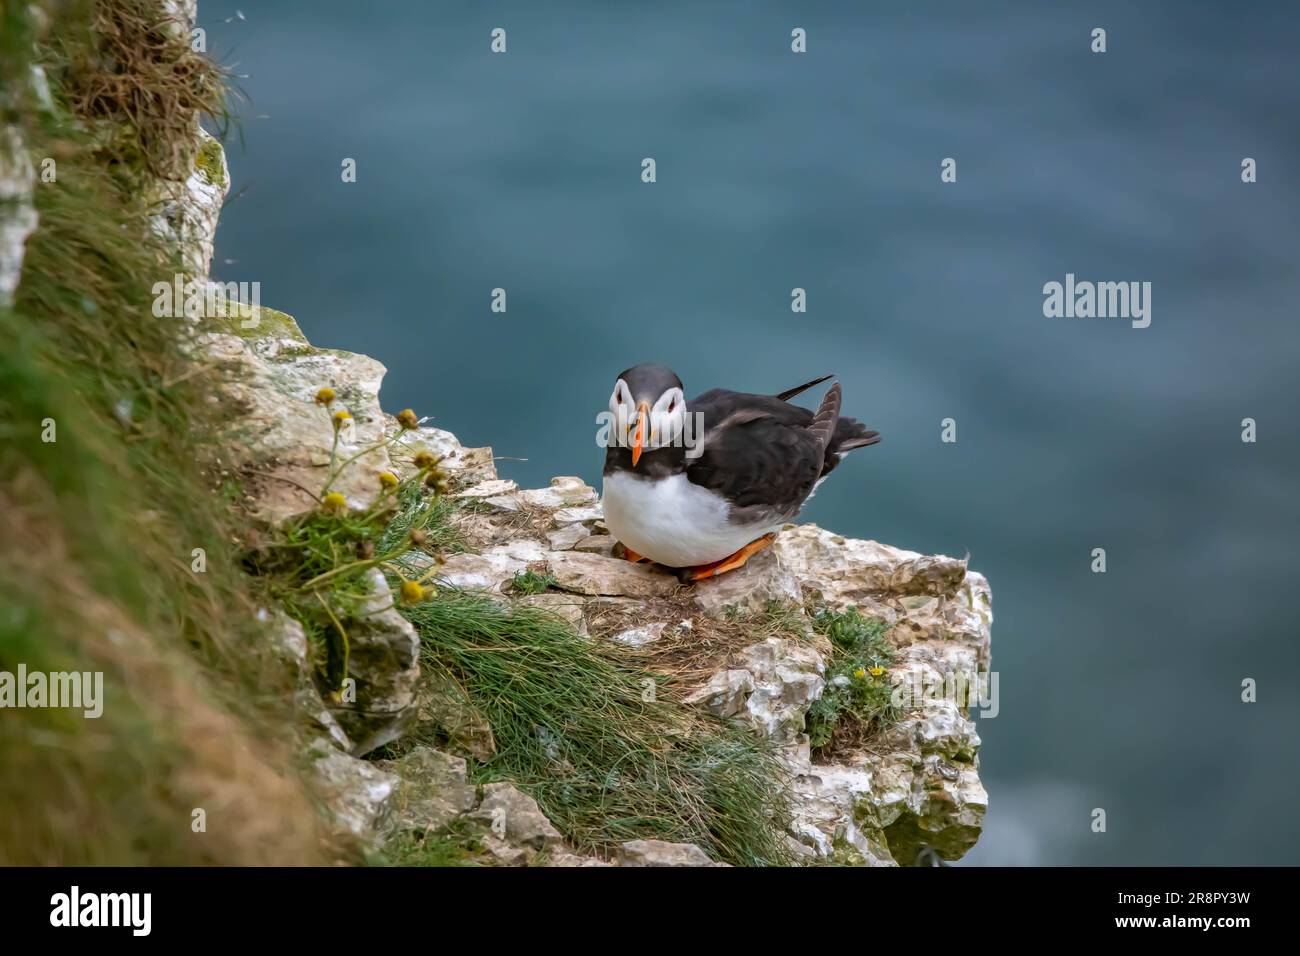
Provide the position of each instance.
(701, 486)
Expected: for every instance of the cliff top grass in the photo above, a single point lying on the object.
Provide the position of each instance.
(129, 73)
(104, 511)
(584, 730)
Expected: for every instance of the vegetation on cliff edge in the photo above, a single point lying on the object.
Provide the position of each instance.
(103, 507)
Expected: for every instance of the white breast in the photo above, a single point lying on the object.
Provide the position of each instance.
(672, 521)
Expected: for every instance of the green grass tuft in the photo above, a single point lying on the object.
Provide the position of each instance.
(417, 510)
(456, 844)
(586, 734)
(530, 582)
(856, 702)
(316, 566)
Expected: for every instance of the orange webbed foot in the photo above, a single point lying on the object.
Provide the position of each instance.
(729, 563)
(630, 555)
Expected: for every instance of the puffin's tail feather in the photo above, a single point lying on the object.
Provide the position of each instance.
(861, 439)
(827, 417)
(790, 393)
(849, 434)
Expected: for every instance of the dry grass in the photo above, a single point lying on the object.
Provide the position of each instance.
(685, 657)
(129, 70)
(483, 524)
(98, 528)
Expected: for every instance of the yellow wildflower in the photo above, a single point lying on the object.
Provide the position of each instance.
(406, 418)
(412, 592)
(325, 397)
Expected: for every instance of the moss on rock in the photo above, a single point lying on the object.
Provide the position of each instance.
(259, 322)
(211, 163)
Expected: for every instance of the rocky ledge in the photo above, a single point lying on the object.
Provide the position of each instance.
(908, 791)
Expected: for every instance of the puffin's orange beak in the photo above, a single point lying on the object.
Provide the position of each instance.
(638, 439)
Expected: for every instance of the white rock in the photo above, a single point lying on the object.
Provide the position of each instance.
(564, 492)
(288, 641)
(468, 466)
(18, 218)
(356, 792)
(565, 858)
(502, 853)
(640, 636)
(563, 539)
(596, 574)
(659, 853)
(723, 694)
(843, 570)
(442, 707)
(493, 568)
(433, 789)
(514, 817)
(585, 513)
(567, 606)
(384, 660)
(189, 209)
(278, 440)
(488, 489)
(593, 543)
(749, 589)
(787, 679)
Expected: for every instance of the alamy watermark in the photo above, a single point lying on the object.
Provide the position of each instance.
(207, 299)
(78, 690)
(130, 910)
(659, 429)
(970, 690)
(1101, 300)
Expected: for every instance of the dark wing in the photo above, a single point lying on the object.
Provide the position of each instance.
(758, 451)
(790, 393)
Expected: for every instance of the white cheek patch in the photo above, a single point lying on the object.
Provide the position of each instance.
(666, 418)
(621, 397)
(666, 427)
(620, 406)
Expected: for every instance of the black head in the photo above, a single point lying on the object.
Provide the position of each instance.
(648, 382)
(649, 414)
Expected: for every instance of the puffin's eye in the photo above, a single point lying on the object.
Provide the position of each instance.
(672, 405)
